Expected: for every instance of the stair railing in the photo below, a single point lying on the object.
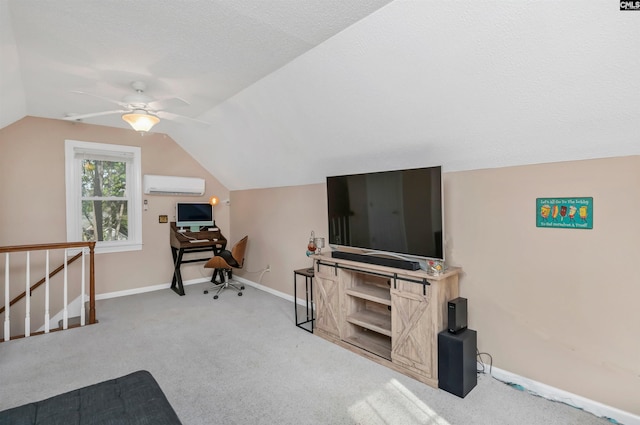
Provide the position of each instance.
(83, 246)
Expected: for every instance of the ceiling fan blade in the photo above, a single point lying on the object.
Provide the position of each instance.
(117, 102)
(169, 103)
(76, 117)
(181, 118)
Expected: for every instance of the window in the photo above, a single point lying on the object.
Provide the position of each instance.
(103, 195)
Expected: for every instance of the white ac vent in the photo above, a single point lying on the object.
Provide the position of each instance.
(173, 185)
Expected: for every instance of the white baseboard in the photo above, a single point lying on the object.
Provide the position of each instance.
(614, 415)
(144, 289)
(161, 286)
(271, 291)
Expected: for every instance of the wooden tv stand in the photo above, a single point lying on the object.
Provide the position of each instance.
(391, 316)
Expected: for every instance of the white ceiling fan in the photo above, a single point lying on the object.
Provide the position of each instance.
(139, 110)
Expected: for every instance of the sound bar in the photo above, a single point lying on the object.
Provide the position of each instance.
(380, 261)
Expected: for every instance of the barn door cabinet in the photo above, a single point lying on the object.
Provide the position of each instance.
(327, 296)
(391, 316)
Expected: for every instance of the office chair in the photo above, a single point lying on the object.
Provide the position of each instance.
(223, 264)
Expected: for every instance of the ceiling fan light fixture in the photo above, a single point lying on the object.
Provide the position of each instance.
(141, 120)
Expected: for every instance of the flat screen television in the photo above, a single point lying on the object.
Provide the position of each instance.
(194, 215)
(396, 212)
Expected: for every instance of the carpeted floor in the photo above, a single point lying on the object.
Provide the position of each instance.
(241, 360)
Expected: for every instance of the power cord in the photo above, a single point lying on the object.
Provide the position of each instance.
(480, 360)
(266, 269)
(262, 272)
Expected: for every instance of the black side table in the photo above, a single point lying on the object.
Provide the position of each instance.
(308, 285)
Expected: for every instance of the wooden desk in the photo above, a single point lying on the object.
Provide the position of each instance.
(180, 245)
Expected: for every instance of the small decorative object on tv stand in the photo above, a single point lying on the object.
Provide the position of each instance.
(319, 242)
(389, 315)
(436, 267)
(313, 247)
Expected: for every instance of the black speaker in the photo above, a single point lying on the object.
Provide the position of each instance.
(380, 261)
(457, 373)
(457, 314)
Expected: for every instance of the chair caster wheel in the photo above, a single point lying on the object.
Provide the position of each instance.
(242, 287)
(239, 294)
(215, 297)
(206, 292)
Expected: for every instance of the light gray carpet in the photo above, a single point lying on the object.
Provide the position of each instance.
(241, 360)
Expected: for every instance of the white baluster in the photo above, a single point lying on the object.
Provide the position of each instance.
(7, 301)
(84, 251)
(27, 293)
(46, 295)
(65, 312)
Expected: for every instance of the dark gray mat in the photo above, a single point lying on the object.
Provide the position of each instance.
(134, 399)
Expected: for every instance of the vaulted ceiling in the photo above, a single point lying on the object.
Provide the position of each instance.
(295, 90)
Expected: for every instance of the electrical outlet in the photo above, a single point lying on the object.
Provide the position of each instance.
(268, 268)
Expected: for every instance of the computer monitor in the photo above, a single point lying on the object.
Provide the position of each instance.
(194, 215)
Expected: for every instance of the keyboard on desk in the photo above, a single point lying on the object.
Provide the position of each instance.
(198, 240)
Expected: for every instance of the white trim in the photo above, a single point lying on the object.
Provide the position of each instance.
(266, 289)
(145, 289)
(610, 413)
(162, 286)
(272, 291)
(614, 415)
(131, 154)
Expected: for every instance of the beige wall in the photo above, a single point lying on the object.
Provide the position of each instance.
(32, 177)
(555, 305)
(278, 222)
(558, 306)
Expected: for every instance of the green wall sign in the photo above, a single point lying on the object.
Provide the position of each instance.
(569, 213)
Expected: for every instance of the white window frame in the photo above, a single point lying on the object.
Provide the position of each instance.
(73, 178)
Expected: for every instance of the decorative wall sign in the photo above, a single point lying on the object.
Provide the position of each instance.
(570, 213)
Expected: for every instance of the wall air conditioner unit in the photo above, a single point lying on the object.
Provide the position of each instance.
(172, 185)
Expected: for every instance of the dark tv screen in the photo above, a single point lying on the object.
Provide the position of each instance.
(396, 212)
(194, 214)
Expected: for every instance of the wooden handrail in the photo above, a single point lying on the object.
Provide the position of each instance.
(61, 245)
(43, 246)
(40, 282)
